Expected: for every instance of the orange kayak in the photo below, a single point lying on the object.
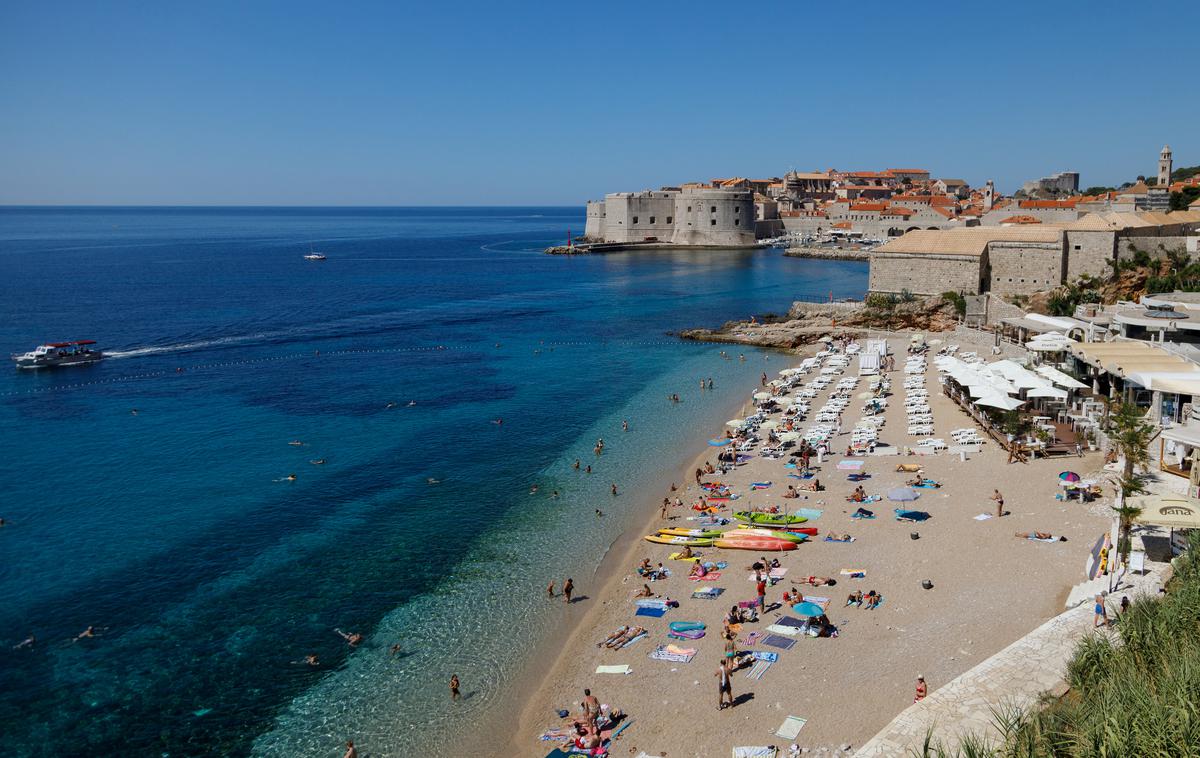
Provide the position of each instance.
(753, 542)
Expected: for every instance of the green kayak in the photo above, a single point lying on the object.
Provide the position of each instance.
(768, 519)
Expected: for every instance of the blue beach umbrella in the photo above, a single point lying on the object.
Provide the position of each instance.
(903, 494)
(719, 442)
(806, 609)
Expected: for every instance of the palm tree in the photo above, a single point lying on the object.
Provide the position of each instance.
(1130, 437)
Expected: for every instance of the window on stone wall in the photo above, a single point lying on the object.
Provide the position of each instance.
(1079, 247)
(635, 219)
(713, 222)
(737, 209)
(689, 209)
(737, 222)
(668, 219)
(652, 219)
(714, 209)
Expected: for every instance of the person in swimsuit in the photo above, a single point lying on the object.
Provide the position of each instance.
(454, 693)
(1101, 617)
(567, 588)
(351, 639)
(590, 707)
(724, 685)
(922, 689)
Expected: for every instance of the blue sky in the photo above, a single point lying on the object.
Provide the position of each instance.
(516, 103)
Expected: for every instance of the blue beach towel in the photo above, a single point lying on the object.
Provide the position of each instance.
(651, 612)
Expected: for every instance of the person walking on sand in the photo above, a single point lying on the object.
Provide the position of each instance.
(999, 503)
(922, 689)
(567, 588)
(351, 751)
(1101, 618)
(590, 707)
(762, 593)
(454, 693)
(763, 382)
(662, 512)
(724, 685)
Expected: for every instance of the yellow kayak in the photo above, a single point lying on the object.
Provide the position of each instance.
(681, 541)
(703, 534)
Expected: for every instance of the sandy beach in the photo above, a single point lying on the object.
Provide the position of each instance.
(989, 588)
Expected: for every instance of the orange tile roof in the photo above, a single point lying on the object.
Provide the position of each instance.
(944, 211)
(1068, 203)
(868, 206)
(842, 225)
(896, 210)
(1021, 220)
(906, 171)
(941, 200)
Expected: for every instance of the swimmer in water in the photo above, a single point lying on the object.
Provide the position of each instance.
(587, 470)
(291, 477)
(411, 403)
(394, 649)
(318, 462)
(390, 405)
(431, 480)
(86, 634)
(29, 641)
(312, 660)
(554, 494)
(498, 421)
(133, 412)
(295, 443)
(351, 639)
(576, 464)
(533, 490)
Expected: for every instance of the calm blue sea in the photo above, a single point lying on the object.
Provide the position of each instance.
(210, 577)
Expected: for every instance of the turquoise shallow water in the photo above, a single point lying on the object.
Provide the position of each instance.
(209, 579)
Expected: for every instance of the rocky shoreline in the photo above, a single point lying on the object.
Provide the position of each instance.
(806, 323)
(827, 254)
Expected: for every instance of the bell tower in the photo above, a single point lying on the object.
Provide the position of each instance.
(1164, 166)
(989, 195)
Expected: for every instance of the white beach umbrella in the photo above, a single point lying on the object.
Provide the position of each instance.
(736, 422)
(1047, 391)
(997, 400)
(789, 436)
(762, 395)
(772, 424)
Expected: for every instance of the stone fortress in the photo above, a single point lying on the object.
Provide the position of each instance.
(692, 216)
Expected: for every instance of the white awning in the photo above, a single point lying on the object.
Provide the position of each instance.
(1059, 378)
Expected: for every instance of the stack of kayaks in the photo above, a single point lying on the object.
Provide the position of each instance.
(783, 534)
(757, 539)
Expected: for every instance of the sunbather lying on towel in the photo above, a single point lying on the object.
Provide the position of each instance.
(872, 600)
(812, 486)
(909, 468)
(1043, 536)
(618, 640)
(838, 538)
(862, 513)
(921, 481)
(614, 636)
(816, 581)
(644, 592)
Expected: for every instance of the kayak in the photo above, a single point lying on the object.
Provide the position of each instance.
(755, 543)
(750, 531)
(768, 519)
(666, 539)
(676, 531)
(781, 531)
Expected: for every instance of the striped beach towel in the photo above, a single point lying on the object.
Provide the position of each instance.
(758, 669)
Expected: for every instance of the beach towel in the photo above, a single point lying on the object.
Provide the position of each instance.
(862, 513)
(782, 629)
(755, 751)
(812, 514)
(760, 485)
(821, 601)
(831, 539)
(788, 621)
(663, 653)
(1039, 539)
(711, 576)
(903, 515)
(791, 727)
(557, 733)
(758, 669)
(752, 638)
(763, 655)
(678, 557)
(928, 486)
(983, 517)
(775, 573)
(707, 593)
(651, 602)
(783, 643)
(653, 613)
(621, 669)
(854, 573)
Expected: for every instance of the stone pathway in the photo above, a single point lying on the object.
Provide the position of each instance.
(1017, 676)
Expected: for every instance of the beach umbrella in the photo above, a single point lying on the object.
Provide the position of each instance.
(1069, 476)
(736, 422)
(719, 442)
(848, 465)
(771, 424)
(903, 494)
(762, 395)
(789, 436)
(808, 610)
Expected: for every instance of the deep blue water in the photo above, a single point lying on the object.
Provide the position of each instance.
(209, 576)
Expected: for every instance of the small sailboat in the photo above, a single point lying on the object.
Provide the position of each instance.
(313, 255)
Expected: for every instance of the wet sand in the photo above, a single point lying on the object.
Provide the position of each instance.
(989, 589)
